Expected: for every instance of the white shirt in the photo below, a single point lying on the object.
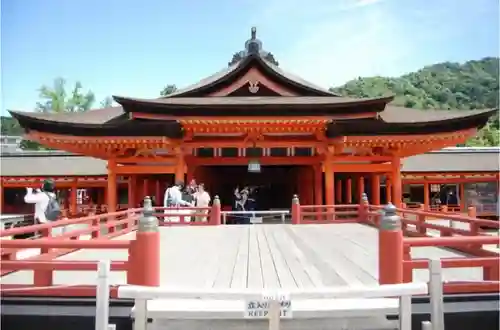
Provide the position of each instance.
(175, 197)
(41, 201)
(202, 199)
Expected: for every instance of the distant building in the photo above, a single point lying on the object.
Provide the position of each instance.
(10, 143)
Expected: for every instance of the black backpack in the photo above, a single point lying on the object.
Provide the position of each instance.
(53, 211)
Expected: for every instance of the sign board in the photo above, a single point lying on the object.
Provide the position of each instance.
(254, 167)
(259, 309)
(256, 220)
(435, 187)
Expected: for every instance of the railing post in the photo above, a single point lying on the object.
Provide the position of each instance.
(215, 213)
(421, 221)
(295, 210)
(144, 253)
(436, 294)
(94, 223)
(363, 208)
(390, 249)
(43, 277)
(473, 227)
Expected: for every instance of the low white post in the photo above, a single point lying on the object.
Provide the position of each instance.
(274, 314)
(405, 312)
(141, 314)
(436, 294)
(102, 296)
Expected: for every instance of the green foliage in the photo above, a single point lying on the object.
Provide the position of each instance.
(56, 99)
(445, 86)
(169, 89)
(10, 126)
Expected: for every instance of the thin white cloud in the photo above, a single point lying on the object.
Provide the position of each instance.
(331, 42)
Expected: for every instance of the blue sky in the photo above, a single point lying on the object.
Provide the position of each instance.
(135, 47)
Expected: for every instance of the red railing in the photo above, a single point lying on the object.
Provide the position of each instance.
(433, 229)
(99, 228)
(419, 228)
(415, 228)
(483, 210)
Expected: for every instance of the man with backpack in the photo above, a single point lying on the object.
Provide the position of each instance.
(45, 200)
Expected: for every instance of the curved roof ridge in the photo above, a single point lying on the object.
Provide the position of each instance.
(223, 74)
(402, 115)
(93, 116)
(203, 82)
(298, 79)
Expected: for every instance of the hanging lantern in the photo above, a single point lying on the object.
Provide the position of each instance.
(254, 166)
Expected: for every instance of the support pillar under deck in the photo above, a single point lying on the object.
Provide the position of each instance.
(329, 184)
(397, 187)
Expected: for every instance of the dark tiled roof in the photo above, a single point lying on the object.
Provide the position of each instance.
(91, 117)
(245, 101)
(230, 72)
(455, 160)
(394, 114)
(52, 165)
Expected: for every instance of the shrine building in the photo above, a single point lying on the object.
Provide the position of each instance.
(253, 123)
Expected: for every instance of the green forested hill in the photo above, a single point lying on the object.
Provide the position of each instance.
(472, 85)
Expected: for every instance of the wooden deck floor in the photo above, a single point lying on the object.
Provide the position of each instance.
(259, 256)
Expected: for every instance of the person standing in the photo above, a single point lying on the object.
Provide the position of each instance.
(202, 199)
(173, 198)
(41, 199)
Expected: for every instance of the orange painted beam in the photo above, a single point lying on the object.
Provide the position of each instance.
(145, 169)
(266, 160)
(365, 168)
(447, 180)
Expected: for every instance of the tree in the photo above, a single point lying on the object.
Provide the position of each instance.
(444, 86)
(56, 99)
(169, 89)
(107, 102)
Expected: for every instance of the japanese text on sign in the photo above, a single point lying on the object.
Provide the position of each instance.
(260, 308)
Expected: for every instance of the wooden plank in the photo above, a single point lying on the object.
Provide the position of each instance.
(325, 250)
(282, 269)
(269, 272)
(254, 279)
(359, 252)
(227, 262)
(239, 279)
(285, 247)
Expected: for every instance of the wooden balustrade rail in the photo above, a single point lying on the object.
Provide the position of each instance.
(71, 237)
(317, 214)
(417, 225)
(395, 262)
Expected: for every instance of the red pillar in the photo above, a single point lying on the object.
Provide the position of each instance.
(361, 187)
(318, 185)
(329, 184)
(375, 188)
(349, 191)
(338, 192)
(397, 186)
